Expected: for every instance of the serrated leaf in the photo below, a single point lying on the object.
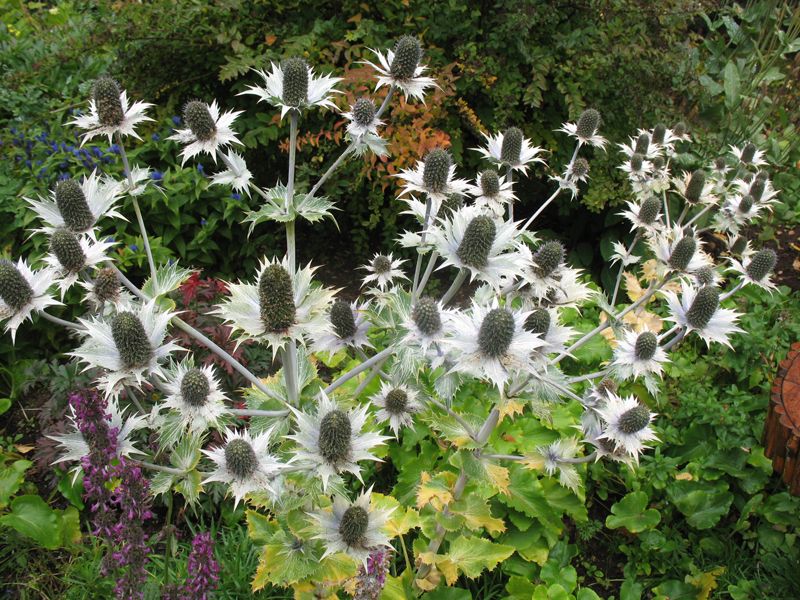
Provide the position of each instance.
(261, 527)
(317, 209)
(450, 522)
(437, 490)
(189, 486)
(33, 518)
(168, 278)
(451, 430)
(186, 455)
(483, 470)
(632, 513)
(334, 569)
(161, 483)
(477, 514)
(267, 559)
(527, 496)
(470, 555)
(402, 519)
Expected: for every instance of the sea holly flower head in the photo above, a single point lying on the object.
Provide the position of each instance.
(679, 250)
(353, 528)
(427, 324)
(749, 154)
(207, 131)
(433, 176)
(402, 68)
(544, 321)
(398, 405)
(512, 149)
(645, 215)
(637, 354)
(106, 287)
(383, 269)
(696, 188)
(293, 86)
(194, 394)
(363, 119)
(585, 129)
(332, 439)
(492, 191)
(71, 253)
(348, 327)
(554, 458)
(22, 291)
(110, 113)
(698, 310)
(245, 464)
(755, 269)
(627, 424)
(641, 145)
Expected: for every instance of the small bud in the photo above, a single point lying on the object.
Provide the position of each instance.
(426, 316)
(381, 264)
(642, 144)
(548, 258)
(364, 112)
(72, 205)
(344, 324)
(762, 264)
(607, 386)
(757, 189)
(199, 120)
(511, 150)
(682, 253)
(240, 458)
(746, 204)
(762, 175)
(490, 183)
(694, 190)
(106, 284)
(67, 249)
(15, 290)
(646, 345)
(650, 209)
(738, 246)
(748, 177)
(721, 163)
(449, 205)
(105, 93)
(295, 81)
(131, 340)
(704, 276)
(407, 56)
(588, 124)
(276, 299)
(637, 161)
(353, 525)
(679, 129)
(477, 242)
(195, 387)
(580, 168)
(748, 153)
(658, 163)
(334, 436)
(496, 332)
(538, 322)
(634, 420)
(703, 308)
(436, 170)
(659, 131)
(396, 401)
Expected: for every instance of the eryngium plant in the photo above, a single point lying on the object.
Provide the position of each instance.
(452, 384)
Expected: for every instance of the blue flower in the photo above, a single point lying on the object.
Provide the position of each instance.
(176, 120)
(203, 222)
(155, 137)
(134, 247)
(200, 169)
(63, 175)
(235, 196)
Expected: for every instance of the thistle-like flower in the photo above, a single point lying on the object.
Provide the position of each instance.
(510, 148)
(427, 323)
(696, 188)
(237, 176)
(332, 439)
(363, 119)
(278, 307)
(128, 345)
(398, 405)
(383, 269)
(348, 327)
(77, 206)
(554, 458)
(401, 68)
(698, 311)
(492, 191)
(355, 529)
(544, 321)
(646, 215)
(195, 395)
(22, 291)
(585, 130)
(106, 287)
(492, 342)
(433, 176)
(109, 112)
(244, 463)
(71, 253)
(292, 85)
(680, 251)
(604, 448)
(637, 354)
(755, 269)
(627, 424)
(208, 129)
(642, 145)
(749, 154)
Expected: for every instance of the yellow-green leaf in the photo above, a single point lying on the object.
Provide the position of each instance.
(477, 514)
(436, 490)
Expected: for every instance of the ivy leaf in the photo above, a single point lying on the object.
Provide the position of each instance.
(32, 517)
(470, 555)
(632, 513)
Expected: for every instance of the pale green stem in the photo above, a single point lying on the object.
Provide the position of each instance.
(246, 412)
(385, 353)
(666, 347)
(698, 215)
(426, 276)
(290, 238)
(417, 269)
(163, 469)
(138, 212)
(370, 376)
(510, 178)
(622, 266)
(683, 214)
(541, 208)
(665, 335)
(665, 203)
(289, 354)
(328, 173)
(362, 356)
(572, 461)
(132, 397)
(62, 322)
(386, 101)
(727, 295)
(455, 415)
(588, 377)
(462, 275)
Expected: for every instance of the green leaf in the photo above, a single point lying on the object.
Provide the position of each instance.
(477, 514)
(261, 527)
(587, 594)
(630, 590)
(10, 480)
(69, 526)
(168, 278)
(71, 487)
(702, 503)
(453, 431)
(32, 517)
(447, 593)
(675, 590)
(553, 572)
(632, 513)
(190, 486)
(470, 555)
(731, 84)
(527, 496)
(5, 404)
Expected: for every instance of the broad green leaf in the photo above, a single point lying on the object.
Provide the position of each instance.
(10, 480)
(450, 522)
(587, 594)
(5, 404)
(630, 590)
(632, 513)
(447, 593)
(187, 454)
(483, 470)
(675, 590)
(557, 592)
(702, 503)
(399, 588)
(453, 431)
(553, 572)
(161, 483)
(477, 514)
(519, 588)
(71, 487)
(470, 555)
(527, 496)
(32, 517)
(335, 569)
(292, 566)
(261, 527)
(437, 490)
(69, 526)
(731, 84)
(712, 86)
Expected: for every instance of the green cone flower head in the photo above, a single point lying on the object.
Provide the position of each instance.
(195, 387)
(746, 204)
(748, 152)
(342, 319)
(106, 96)
(682, 253)
(588, 123)
(739, 245)
(705, 276)
(511, 150)
(240, 458)
(548, 258)
(627, 424)
(426, 316)
(658, 163)
(659, 132)
(721, 164)
(680, 129)
(606, 387)
(650, 209)
(364, 112)
(646, 345)
(407, 56)
(276, 299)
(637, 162)
(762, 175)
(396, 401)
(694, 190)
(131, 340)
(199, 120)
(496, 332)
(703, 308)
(538, 322)
(353, 525)
(477, 242)
(437, 170)
(15, 290)
(634, 420)
(761, 264)
(106, 284)
(72, 204)
(643, 144)
(490, 183)
(449, 205)
(381, 264)
(335, 432)
(295, 81)
(67, 249)
(580, 168)
(757, 189)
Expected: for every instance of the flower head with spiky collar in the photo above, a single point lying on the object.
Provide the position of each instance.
(208, 129)
(70, 253)
(756, 268)
(637, 354)
(194, 394)
(398, 404)
(401, 68)
(110, 113)
(22, 291)
(433, 176)
(627, 424)
(348, 327)
(492, 191)
(383, 269)
(511, 148)
(698, 310)
(585, 129)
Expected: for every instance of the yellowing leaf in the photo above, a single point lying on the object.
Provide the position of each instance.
(400, 521)
(705, 581)
(684, 476)
(647, 319)
(24, 449)
(431, 582)
(477, 514)
(470, 555)
(510, 406)
(635, 290)
(270, 39)
(650, 270)
(266, 564)
(355, 19)
(436, 490)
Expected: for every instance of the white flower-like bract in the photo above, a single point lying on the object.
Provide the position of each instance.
(133, 115)
(142, 349)
(555, 458)
(332, 439)
(595, 139)
(245, 464)
(357, 128)
(460, 242)
(634, 215)
(494, 149)
(497, 201)
(427, 323)
(758, 155)
(398, 405)
(415, 182)
(222, 136)
(492, 342)
(319, 90)
(238, 177)
(243, 309)
(194, 393)
(22, 291)
(742, 268)
(355, 331)
(383, 269)
(94, 252)
(735, 213)
(411, 86)
(635, 357)
(100, 193)
(717, 328)
(664, 246)
(355, 529)
(557, 335)
(627, 423)
(592, 429)
(653, 150)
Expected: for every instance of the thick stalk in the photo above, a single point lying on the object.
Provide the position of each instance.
(426, 275)
(462, 275)
(698, 215)
(132, 397)
(666, 347)
(385, 353)
(456, 416)
(376, 370)
(290, 238)
(246, 412)
(417, 269)
(541, 208)
(738, 286)
(61, 322)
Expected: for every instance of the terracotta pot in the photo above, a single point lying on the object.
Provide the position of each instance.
(781, 437)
